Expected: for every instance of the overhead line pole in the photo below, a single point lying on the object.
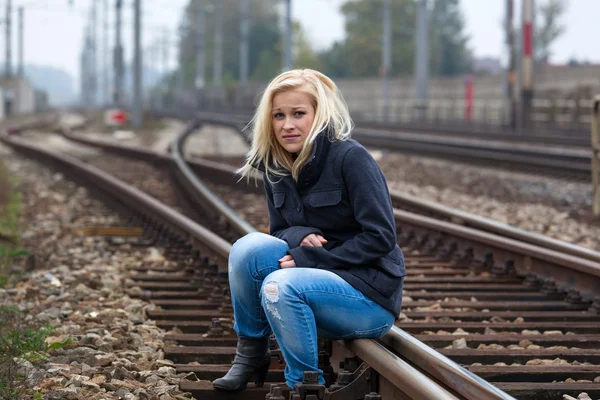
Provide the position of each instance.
(105, 55)
(8, 32)
(21, 67)
(386, 57)
(218, 50)
(527, 64)
(137, 65)
(200, 46)
(244, 33)
(511, 77)
(422, 58)
(287, 38)
(165, 53)
(93, 63)
(118, 57)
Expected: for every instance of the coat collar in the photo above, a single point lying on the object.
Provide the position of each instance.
(311, 171)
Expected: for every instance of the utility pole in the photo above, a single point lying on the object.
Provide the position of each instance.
(511, 76)
(8, 27)
(422, 59)
(244, 30)
(386, 57)
(93, 63)
(153, 64)
(84, 75)
(527, 64)
(21, 67)
(287, 37)
(105, 56)
(218, 51)
(118, 57)
(165, 52)
(200, 45)
(137, 65)
(183, 50)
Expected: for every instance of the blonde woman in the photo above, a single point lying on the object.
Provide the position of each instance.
(330, 267)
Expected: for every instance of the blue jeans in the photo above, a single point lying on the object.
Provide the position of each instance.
(297, 304)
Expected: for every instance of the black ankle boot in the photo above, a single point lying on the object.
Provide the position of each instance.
(252, 360)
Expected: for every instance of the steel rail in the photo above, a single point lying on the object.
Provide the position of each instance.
(199, 190)
(398, 372)
(568, 271)
(569, 162)
(489, 225)
(455, 216)
(475, 221)
(441, 367)
(556, 137)
(132, 197)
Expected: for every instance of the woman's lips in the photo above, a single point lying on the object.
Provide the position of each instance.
(291, 137)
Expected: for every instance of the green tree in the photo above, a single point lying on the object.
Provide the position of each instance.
(548, 28)
(449, 52)
(264, 40)
(363, 25)
(359, 54)
(304, 55)
(333, 60)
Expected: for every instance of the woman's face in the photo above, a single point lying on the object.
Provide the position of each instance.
(292, 115)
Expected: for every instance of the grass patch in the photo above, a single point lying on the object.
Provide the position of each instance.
(10, 208)
(23, 348)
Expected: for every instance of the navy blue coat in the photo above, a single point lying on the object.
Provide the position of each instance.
(342, 195)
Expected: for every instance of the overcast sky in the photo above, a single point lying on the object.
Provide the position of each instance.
(54, 31)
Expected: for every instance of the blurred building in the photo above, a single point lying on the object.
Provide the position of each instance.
(487, 66)
(42, 101)
(18, 96)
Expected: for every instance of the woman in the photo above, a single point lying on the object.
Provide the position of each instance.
(331, 266)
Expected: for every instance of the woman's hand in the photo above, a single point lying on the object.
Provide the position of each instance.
(287, 262)
(313, 240)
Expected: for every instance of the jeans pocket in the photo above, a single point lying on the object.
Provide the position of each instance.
(369, 333)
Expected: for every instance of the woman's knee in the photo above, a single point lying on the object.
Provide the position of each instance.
(279, 284)
(248, 249)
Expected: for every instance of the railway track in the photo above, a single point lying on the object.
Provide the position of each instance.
(463, 289)
(502, 151)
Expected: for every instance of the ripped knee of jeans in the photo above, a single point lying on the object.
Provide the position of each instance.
(271, 296)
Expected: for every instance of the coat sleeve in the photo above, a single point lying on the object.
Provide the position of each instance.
(279, 227)
(372, 207)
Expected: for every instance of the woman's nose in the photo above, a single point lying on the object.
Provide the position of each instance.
(288, 125)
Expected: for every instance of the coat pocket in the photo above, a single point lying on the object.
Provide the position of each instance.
(381, 281)
(325, 198)
(278, 199)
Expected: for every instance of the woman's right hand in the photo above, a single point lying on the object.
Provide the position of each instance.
(313, 240)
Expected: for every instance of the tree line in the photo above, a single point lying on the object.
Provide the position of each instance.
(358, 54)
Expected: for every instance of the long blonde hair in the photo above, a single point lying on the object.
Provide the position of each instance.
(331, 112)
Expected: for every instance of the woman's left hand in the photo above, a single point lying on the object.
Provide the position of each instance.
(287, 262)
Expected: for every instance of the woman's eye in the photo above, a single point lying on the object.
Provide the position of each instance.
(278, 116)
(299, 113)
